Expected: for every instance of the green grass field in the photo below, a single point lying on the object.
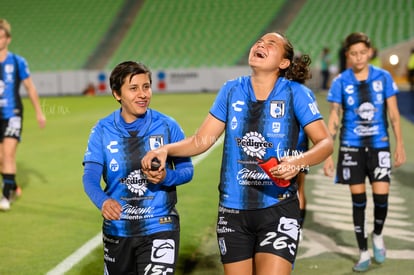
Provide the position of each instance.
(54, 217)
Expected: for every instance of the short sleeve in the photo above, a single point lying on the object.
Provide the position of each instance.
(335, 92)
(94, 151)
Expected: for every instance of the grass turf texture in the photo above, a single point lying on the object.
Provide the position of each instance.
(54, 217)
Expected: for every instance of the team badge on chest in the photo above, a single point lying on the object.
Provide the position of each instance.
(156, 142)
(277, 108)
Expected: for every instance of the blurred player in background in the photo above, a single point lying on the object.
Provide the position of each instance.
(364, 95)
(325, 68)
(13, 71)
(141, 229)
(260, 114)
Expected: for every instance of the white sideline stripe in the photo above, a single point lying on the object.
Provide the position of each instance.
(77, 256)
(93, 243)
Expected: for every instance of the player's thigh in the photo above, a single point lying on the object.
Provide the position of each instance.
(9, 147)
(3, 126)
(357, 188)
(239, 268)
(266, 263)
(380, 187)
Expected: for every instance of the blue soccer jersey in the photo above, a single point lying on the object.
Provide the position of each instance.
(364, 121)
(303, 141)
(256, 131)
(13, 70)
(147, 208)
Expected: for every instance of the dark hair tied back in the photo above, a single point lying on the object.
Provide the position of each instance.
(299, 69)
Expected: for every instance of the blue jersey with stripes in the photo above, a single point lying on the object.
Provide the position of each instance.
(147, 208)
(303, 141)
(259, 130)
(13, 70)
(364, 120)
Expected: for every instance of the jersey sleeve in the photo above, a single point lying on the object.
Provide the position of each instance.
(335, 92)
(219, 107)
(91, 180)
(391, 87)
(94, 151)
(24, 71)
(93, 168)
(306, 106)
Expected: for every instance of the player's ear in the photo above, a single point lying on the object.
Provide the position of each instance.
(370, 53)
(285, 63)
(116, 95)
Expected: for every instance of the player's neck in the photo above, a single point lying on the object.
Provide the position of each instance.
(3, 54)
(362, 74)
(263, 85)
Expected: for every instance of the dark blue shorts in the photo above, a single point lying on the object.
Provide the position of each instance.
(355, 164)
(11, 127)
(243, 233)
(153, 254)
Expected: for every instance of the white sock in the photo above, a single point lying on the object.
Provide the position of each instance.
(378, 241)
(364, 256)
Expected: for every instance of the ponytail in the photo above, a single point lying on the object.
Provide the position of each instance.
(299, 69)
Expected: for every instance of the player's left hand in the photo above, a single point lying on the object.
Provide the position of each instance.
(286, 169)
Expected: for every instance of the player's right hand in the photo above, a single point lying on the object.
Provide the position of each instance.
(111, 209)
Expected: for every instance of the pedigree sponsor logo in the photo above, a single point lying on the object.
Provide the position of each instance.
(254, 144)
(136, 182)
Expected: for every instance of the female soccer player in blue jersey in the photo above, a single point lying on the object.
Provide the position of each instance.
(258, 218)
(141, 224)
(364, 95)
(13, 72)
